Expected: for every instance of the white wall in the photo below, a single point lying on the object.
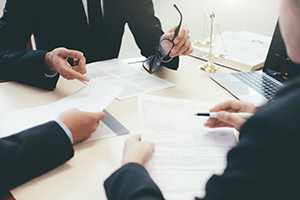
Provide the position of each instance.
(258, 16)
(2, 2)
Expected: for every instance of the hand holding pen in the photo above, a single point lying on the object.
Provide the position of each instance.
(230, 113)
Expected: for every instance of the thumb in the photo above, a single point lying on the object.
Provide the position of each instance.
(100, 115)
(233, 120)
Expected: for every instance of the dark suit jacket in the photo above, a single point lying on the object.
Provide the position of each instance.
(31, 153)
(264, 165)
(63, 23)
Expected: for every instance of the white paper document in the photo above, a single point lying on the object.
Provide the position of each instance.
(186, 153)
(131, 79)
(93, 97)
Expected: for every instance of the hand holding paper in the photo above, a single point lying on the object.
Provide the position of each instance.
(93, 97)
(81, 124)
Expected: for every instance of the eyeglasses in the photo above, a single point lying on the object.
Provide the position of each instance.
(162, 51)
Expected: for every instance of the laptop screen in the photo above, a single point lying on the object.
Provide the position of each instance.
(277, 64)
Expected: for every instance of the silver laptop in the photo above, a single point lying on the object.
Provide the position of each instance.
(259, 87)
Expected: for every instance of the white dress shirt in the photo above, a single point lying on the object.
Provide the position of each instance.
(84, 2)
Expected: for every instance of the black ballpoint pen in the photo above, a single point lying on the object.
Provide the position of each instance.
(214, 114)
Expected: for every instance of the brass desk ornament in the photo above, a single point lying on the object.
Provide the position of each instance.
(209, 66)
(204, 28)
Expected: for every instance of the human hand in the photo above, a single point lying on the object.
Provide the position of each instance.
(57, 59)
(183, 45)
(137, 151)
(225, 119)
(81, 124)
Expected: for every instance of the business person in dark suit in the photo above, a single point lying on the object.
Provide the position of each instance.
(33, 152)
(265, 163)
(81, 31)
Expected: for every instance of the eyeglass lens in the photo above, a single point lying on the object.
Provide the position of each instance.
(152, 64)
(165, 47)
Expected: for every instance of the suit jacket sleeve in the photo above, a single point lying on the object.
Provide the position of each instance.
(131, 182)
(31, 153)
(265, 164)
(146, 28)
(17, 64)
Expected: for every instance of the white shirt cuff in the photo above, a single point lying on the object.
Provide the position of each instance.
(66, 129)
(50, 74)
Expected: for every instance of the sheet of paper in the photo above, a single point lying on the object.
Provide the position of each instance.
(93, 97)
(186, 153)
(131, 79)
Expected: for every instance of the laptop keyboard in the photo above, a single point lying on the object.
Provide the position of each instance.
(260, 82)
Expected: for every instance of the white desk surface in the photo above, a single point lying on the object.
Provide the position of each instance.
(83, 176)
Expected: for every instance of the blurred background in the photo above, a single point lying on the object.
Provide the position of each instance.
(258, 16)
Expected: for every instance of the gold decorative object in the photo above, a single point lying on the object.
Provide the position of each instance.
(201, 42)
(217, 56)
(209, 66)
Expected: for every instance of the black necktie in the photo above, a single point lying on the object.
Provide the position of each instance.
(95, 16)
(97, 30)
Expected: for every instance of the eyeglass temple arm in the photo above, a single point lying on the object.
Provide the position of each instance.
(179, 25)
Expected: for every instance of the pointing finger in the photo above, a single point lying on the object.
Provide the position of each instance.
(68, 71)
